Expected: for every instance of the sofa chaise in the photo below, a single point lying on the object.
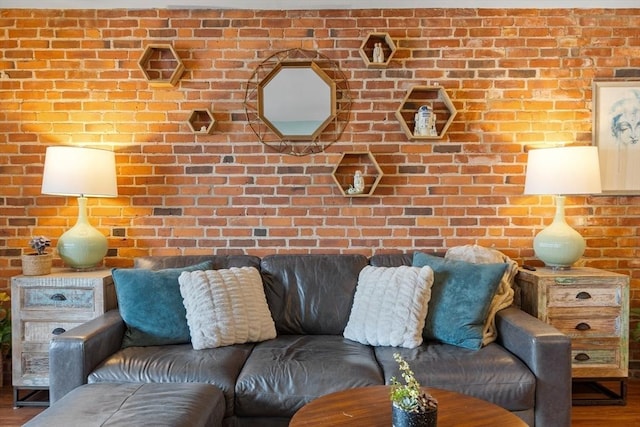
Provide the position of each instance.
(525, 369)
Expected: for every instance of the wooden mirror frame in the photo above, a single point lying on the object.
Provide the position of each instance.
(326, 134)
(323, 88)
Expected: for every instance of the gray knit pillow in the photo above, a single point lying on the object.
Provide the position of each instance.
(226, 307)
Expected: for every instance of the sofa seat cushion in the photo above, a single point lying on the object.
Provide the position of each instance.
(282, 375)
(176, 364)
(491, 373)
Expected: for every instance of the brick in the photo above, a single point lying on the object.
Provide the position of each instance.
(517, 77)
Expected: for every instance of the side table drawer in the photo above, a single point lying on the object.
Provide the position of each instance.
(581, 296)
(597, 362)
(42, 332)
(34, 367)
(587, 327)
(57, 298)
(605, 357)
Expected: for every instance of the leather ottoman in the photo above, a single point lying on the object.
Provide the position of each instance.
(133, 404)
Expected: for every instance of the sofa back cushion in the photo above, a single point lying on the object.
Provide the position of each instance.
(311, 294)
(218, 262)
(391, 260)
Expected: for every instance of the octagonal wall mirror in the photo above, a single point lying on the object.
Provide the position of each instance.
(297, 100)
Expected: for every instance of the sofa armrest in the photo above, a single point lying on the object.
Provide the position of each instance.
(75, 353)
(547, 353)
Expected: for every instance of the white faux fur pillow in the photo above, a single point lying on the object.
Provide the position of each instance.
(504, 295)
(390, 306)
(226, 307)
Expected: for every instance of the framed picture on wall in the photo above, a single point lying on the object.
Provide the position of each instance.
(616, 133)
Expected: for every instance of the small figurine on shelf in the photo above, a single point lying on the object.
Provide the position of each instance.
(358, 184)
(378, 53)
(425, 122)
(381, 54)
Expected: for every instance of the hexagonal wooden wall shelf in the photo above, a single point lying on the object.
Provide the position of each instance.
(161, 65)
(201, 121)
(437, 99)
(344, 172)
(367, 49)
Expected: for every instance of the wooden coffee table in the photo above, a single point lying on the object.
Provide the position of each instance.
(370, 406)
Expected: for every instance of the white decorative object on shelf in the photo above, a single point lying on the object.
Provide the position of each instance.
(377, 49)
(378, 54)
(425, 122)
(358, 184)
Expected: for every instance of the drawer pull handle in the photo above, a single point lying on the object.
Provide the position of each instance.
(583, 326)
(58, 297)
(58, 331)
(582, 357)
(583, 295)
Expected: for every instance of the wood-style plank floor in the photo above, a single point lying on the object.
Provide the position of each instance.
(583, 416)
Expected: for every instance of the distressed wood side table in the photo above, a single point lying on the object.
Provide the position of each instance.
(43, 306)
(592, 307)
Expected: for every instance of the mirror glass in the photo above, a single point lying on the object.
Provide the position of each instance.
(297, 100)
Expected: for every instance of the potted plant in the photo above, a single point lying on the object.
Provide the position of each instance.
(38, 263)
(411, 405)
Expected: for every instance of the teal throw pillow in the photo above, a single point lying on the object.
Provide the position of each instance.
(460, 299)
(151, 305)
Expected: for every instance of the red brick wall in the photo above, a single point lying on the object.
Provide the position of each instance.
(517, 77)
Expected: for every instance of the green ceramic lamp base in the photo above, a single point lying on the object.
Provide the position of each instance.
(559, 246)
(82, 247)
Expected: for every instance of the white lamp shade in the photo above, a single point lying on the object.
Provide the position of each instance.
(79, 171)
(563, 170)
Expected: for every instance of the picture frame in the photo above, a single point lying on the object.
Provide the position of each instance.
(616, 133)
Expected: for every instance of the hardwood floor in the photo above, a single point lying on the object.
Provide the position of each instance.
(10, 416)
(610, 416)
(583, 416)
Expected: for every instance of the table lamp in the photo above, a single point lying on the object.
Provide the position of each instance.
(561, 171)
(82, 172)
